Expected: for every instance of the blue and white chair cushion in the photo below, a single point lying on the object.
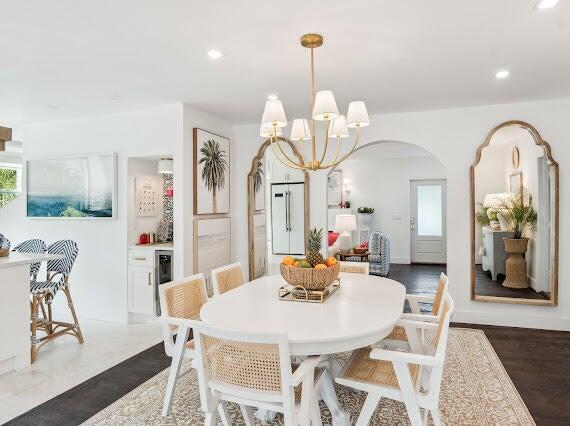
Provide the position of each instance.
(58, 269)
(32, 246)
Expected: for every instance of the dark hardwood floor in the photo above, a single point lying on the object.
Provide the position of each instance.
(485, 286)
(536, 361)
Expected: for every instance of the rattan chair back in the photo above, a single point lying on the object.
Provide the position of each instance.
(227, 278)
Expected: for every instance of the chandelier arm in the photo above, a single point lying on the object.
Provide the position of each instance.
(284, 158)
(345, 156)
(327, 126)
(302, 152)
(336, 154)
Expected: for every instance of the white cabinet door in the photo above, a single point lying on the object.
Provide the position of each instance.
(141, 290)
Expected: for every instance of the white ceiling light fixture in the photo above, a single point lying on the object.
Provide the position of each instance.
(165, 166)
(324, 110)
(214, 54)
(501, 74)
(545, 4)
(272, 97)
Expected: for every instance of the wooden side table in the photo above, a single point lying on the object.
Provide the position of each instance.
(363, 257)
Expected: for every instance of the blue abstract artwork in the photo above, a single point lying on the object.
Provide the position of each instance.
(79, 187)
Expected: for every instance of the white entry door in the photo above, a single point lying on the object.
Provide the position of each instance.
(428, 221)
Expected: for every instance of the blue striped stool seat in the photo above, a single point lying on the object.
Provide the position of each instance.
(37, 287)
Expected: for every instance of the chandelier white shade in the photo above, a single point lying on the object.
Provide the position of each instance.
(300, 130)
(274, 114)
(325, 106)
(357, 115)
(325, 110)
(338, 128)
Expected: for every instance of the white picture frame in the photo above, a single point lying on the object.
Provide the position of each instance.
(212, 245)
(334, 188)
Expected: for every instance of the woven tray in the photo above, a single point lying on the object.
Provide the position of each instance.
(299, 294)
(310, 278)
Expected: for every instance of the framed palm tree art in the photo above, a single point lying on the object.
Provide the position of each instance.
(211, 173)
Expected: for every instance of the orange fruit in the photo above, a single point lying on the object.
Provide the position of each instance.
(296, 263)
(321, 266)
(287, 260)
(331, 261)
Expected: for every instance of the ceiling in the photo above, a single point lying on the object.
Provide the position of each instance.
(74, 58)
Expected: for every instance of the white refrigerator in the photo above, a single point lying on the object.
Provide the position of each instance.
(288, 218)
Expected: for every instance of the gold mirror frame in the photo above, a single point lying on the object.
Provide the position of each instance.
(554, 278)
(251, 198)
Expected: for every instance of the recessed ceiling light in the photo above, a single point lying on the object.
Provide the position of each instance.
(502, 74)
(214, 54)
(272, 97)
(545, 4)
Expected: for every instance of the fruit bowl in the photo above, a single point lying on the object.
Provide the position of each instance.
(310, 278)
(359, 250)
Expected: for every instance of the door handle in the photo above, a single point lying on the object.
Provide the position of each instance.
(412, 223)
(139, 258)
(150, 278)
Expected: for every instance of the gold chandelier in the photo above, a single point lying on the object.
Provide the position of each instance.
(325, 110)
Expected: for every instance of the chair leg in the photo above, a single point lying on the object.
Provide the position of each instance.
(224, 415)
(34, 326)
(435, 415)
(210, 419)
(408, 393)
(368, 409)
(72, 309)
(177, 357)
(316, 415)
(247, 413)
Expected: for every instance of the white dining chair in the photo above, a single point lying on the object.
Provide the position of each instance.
(403, 335)
(355, 267)
(181, 300)
(255, 370)
(227, 278)
(412, 378)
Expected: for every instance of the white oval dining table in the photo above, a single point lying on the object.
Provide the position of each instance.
(363, 311)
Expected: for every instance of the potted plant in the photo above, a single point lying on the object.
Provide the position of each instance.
(522, 218)
(365, 215)
(481, 217)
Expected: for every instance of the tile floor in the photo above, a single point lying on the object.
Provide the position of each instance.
(63, 363)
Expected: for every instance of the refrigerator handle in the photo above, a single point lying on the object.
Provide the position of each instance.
(286, 213)
(289, 211)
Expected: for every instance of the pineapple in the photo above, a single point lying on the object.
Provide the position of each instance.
(314, 245)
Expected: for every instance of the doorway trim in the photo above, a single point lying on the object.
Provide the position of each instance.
(251, 199)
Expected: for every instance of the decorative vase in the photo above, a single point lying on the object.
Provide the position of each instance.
(365, 218)
(516, 263)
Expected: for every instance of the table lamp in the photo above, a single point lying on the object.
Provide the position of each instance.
(345, 224)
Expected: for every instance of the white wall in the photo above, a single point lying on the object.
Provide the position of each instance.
(452, 136)
(99, 277)
(384, 184)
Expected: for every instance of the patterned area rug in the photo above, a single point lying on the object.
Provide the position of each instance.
(476, 390)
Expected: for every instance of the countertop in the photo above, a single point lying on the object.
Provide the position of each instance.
(15, 258)
(153, 247)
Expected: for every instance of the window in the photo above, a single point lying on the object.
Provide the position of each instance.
(10, 182)
(430, 222)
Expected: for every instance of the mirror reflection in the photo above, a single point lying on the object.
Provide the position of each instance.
(515, 196)
(10, 167)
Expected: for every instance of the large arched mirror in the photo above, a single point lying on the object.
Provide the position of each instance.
(514, 207)
(10, 167)
(278, 209)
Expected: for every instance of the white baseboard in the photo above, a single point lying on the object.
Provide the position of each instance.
(526, 321)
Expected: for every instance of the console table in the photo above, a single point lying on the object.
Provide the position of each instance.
(494, 258)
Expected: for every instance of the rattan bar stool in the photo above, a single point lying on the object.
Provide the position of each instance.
(227, 278)
(43, 292)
